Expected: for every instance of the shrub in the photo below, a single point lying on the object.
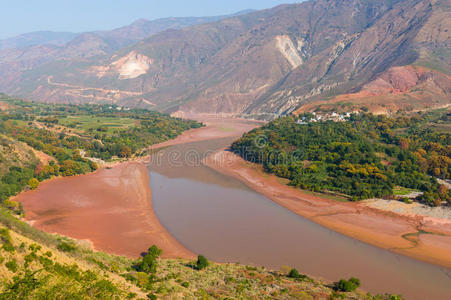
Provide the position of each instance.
(33, 183)
(142, 278)
(185, 284)
(151, 297)
(21, 287)
(202, 262)
(66, 247)
(148, 264)
(348, 285)
(12, 265)
(5, 239)
(294, 274)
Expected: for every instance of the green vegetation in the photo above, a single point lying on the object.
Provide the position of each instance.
(364, 157)
(202, 262)
(402, 191)
(148, 264)
(17, 166)
(88, 123)
(348, 285)
(73, 139)
(103, 131)
(33, 183)
(294, 273)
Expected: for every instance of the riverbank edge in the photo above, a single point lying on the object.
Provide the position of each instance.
(423, 238)
(207, 132)
(142, 194)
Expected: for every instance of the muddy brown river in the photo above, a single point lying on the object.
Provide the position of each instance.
(220, 217)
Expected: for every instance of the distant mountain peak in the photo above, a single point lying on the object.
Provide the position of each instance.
(267, 62)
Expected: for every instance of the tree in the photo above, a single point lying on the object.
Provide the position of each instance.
(148, 263)
(202, 262)
(68, 168)
(125, 152)
(33, 183)
(348, 285)
(294, 274)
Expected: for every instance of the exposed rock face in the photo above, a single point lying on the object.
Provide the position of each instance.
(272, 61)
(287, 48)
(132, 65)
(128, 67)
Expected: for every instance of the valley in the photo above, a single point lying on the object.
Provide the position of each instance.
(296, 151)
(181, 188)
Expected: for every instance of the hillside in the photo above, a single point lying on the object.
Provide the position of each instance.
(358, 156)
(36, 265)
(27, 51)
(270, 62)
(37, 38)
(40, 141)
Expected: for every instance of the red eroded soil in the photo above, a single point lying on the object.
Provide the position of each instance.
(407, 88)
(215, 128)
(112, 208)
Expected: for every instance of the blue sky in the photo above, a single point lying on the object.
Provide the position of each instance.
(20, 16)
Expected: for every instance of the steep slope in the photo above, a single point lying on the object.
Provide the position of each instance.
(28, 51)
(404, 88)
(266, 62)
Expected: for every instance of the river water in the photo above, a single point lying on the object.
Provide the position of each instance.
(220, 217)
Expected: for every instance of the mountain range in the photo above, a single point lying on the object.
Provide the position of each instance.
(333, 55)
(28, 51)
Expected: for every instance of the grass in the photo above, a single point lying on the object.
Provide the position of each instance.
(402, 191)
(326, 196)
(38, 271)
(86, 122)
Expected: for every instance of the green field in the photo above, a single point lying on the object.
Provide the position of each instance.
(402, 191)
(87, 122)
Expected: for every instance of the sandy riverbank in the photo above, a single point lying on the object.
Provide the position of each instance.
(215, 128)
(384, 229)
(112, 208)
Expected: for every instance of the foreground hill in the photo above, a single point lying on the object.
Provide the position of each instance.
(36, 265)
(271, 62)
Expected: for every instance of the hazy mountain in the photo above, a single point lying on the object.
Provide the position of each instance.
(28, 51)
(272, 61)
(37, 38)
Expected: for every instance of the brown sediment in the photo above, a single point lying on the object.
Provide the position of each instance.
(380, 228)
(215, 128)
(430, 247)
(112, 208)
